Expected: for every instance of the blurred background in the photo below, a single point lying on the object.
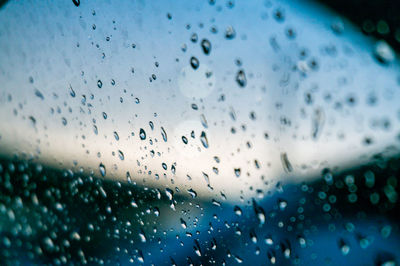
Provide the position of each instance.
(199, 133)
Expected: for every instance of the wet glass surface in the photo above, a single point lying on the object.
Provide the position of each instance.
(196, 132)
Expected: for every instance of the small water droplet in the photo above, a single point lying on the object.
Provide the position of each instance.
(116, 136)
(173, 169)
(192, 193)
(237, 210)
(203, 139)
(230, 33)
(196, 248)
(241, 78)
(169, 193)
(206, 46)
(384, 53)
(121, 155)
(287, 166)
(185, 140)
(142, 134)
(164, 134)
(259, 211)
(102, 169)
(194, 37)
(194, 62)
(71, 91)
(99, 84)
(344, 247)
(183, 224)
(282, 204)
(203, 121)
(237, 172)
(142, 236)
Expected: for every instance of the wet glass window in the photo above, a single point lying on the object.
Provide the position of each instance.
(204, 132)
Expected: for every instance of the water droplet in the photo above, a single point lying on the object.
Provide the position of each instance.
(173, 169)
(116, 136)
(64, 121)
(71, 91)
(164, 134)
(241, 78)
(133, 203)
(253, 236)
(318, 120)
(279, 15)
(259, 211)
(282, 204)
(194, 62)
(203, 121)
(156, 211)
(196, 248)
(194, 37)
(142, 236)
(99, 84)
(95, 130)
(102, 169)
(216, 202)
(269, 241)
(344, 247)
(185, 140)
(271, 257)
(169, 193)
(192, 193)
(238, 259)
(39, 94)
(142, 134)
(194, 106)
(121, 155)
(76, 2)
(237, 210)
(183, 224)
(287, 166)
(206, 46)
(203, 139)
(230, 33)
(237, 172)
(384, 53)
